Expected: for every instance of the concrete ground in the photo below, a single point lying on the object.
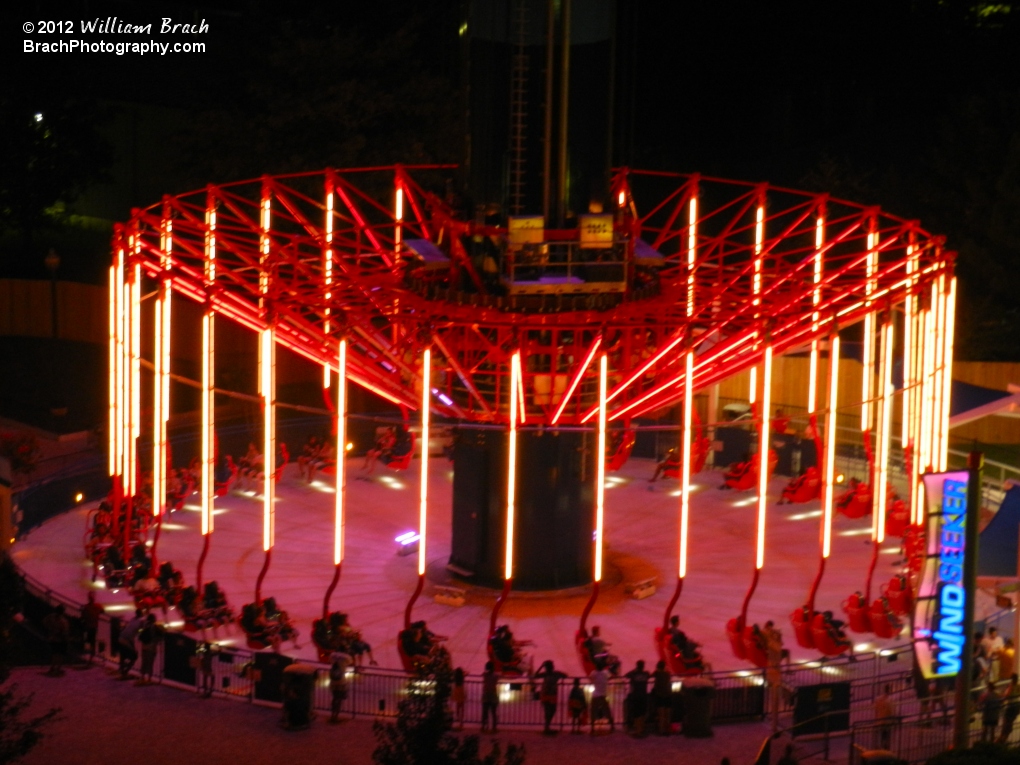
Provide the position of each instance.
(641, 538)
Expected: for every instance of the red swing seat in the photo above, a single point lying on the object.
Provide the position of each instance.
(678, 664)
(803, 488)
(825, 641)
(899, 594)
(801, 619)
(403, 461)
(617, 459)
(223, 488)
(405, 659)
(510, 668)
(858, 614)
(855, 502)
(884, 622)
(587, 663)
(699, 455)
(897, 519)
(735, 634)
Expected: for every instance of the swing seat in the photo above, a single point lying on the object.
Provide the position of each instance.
(826, 640)
(898, 519)
(899, 595)
(508, 668)
(223, 488)
(855, 502)
(885, 623)
(803, 488)
(678, 664)
(754, 646)
(622, 453)
(580, 643)
(856, 609)
(741, 477)
(801, 620)
(735, 633)
(404, 460)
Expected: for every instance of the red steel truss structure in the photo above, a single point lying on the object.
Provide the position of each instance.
(714, 277)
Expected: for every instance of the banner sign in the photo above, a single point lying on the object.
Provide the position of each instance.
(939, 637)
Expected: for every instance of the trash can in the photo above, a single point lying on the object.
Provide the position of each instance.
(697, 702)
(298, 690)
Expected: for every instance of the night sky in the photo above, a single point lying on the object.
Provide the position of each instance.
(911, 105)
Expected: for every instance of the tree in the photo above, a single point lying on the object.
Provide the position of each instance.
(421, 734)
(19, 733)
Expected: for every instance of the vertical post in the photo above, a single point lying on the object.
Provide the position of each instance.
(511, 472)
(947, 371)
(961, 727)
(426, 400)
(209, 373)
(327, 270)
(685, 476)
(763, 456)
(600, 467)
(885, 428)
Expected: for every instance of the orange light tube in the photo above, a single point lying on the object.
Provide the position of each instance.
(511, 474)
(426, 401)
(831, 433)
(692, 251)
(327, 273)
(267, 389)
(341, 457)
(111, 374)
(947, 372)
(685, 469)
(600, 466)
(763, 455)
(885, 434)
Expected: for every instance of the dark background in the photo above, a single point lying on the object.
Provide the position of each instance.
(913, 105)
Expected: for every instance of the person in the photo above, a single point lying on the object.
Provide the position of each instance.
(787, 758)
(885, 714)
(148, 639)
(982, 662)
(458, 696)
(835, 629)
(352, 641)
(490, 698)
(992, 646)
(323, 458)
(599, 703)
(549, 693)
(383, 448)
(205, 652)
(637, 699)
(671, 461)
(774, 645)
(309, 453)
(599, 650)
(90, 614)
(991, 711)
(1007, 659)
(338, 684)
(126, 643)
(662, 698)
(780, 422)
(57, 630)
(577, 705)
(1011, 696)
(736, 473)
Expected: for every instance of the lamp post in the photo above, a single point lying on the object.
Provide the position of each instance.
(52, 262)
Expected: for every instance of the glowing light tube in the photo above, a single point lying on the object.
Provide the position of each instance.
(885, 434)
(908, 356)
(136, 374)
(267, 390)
(600, 466)
(209, 376)
(511, 472)
(426, 400)
(327, 270)
(577, 379)
(341, 453)
(926, 386)
(692, 251)
(830, 445)
(947, 372)
(763, 455)
(111, 372)
(685, 468)
(118, 363)
(939, 306)
(812, 378)
(868, 345)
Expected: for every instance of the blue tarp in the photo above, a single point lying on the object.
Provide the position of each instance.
(997, 548)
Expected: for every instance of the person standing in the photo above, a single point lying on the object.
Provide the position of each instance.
(1007, 659)
(490, 697)
(90, 614)
(458, 696)
(885, 715)
(991, 711)
(57, 630)
(148, 639)
(599, 701)
(578, 706)
(338, 684)
(549, 693)
(1012, 709)
(637, 699)
(662, 698)
(126, 643)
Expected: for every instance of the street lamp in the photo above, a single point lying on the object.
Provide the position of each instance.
(52, 262)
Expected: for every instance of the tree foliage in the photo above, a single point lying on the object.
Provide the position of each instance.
(421, 733)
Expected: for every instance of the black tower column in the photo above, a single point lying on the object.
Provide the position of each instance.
(555, 516)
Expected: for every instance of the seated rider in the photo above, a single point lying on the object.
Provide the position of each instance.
(381, 450)
(599, 650)
(686, 647)
(834, 627)
(403, 444)
(309, 453)
(736, 471)
(670, 462)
